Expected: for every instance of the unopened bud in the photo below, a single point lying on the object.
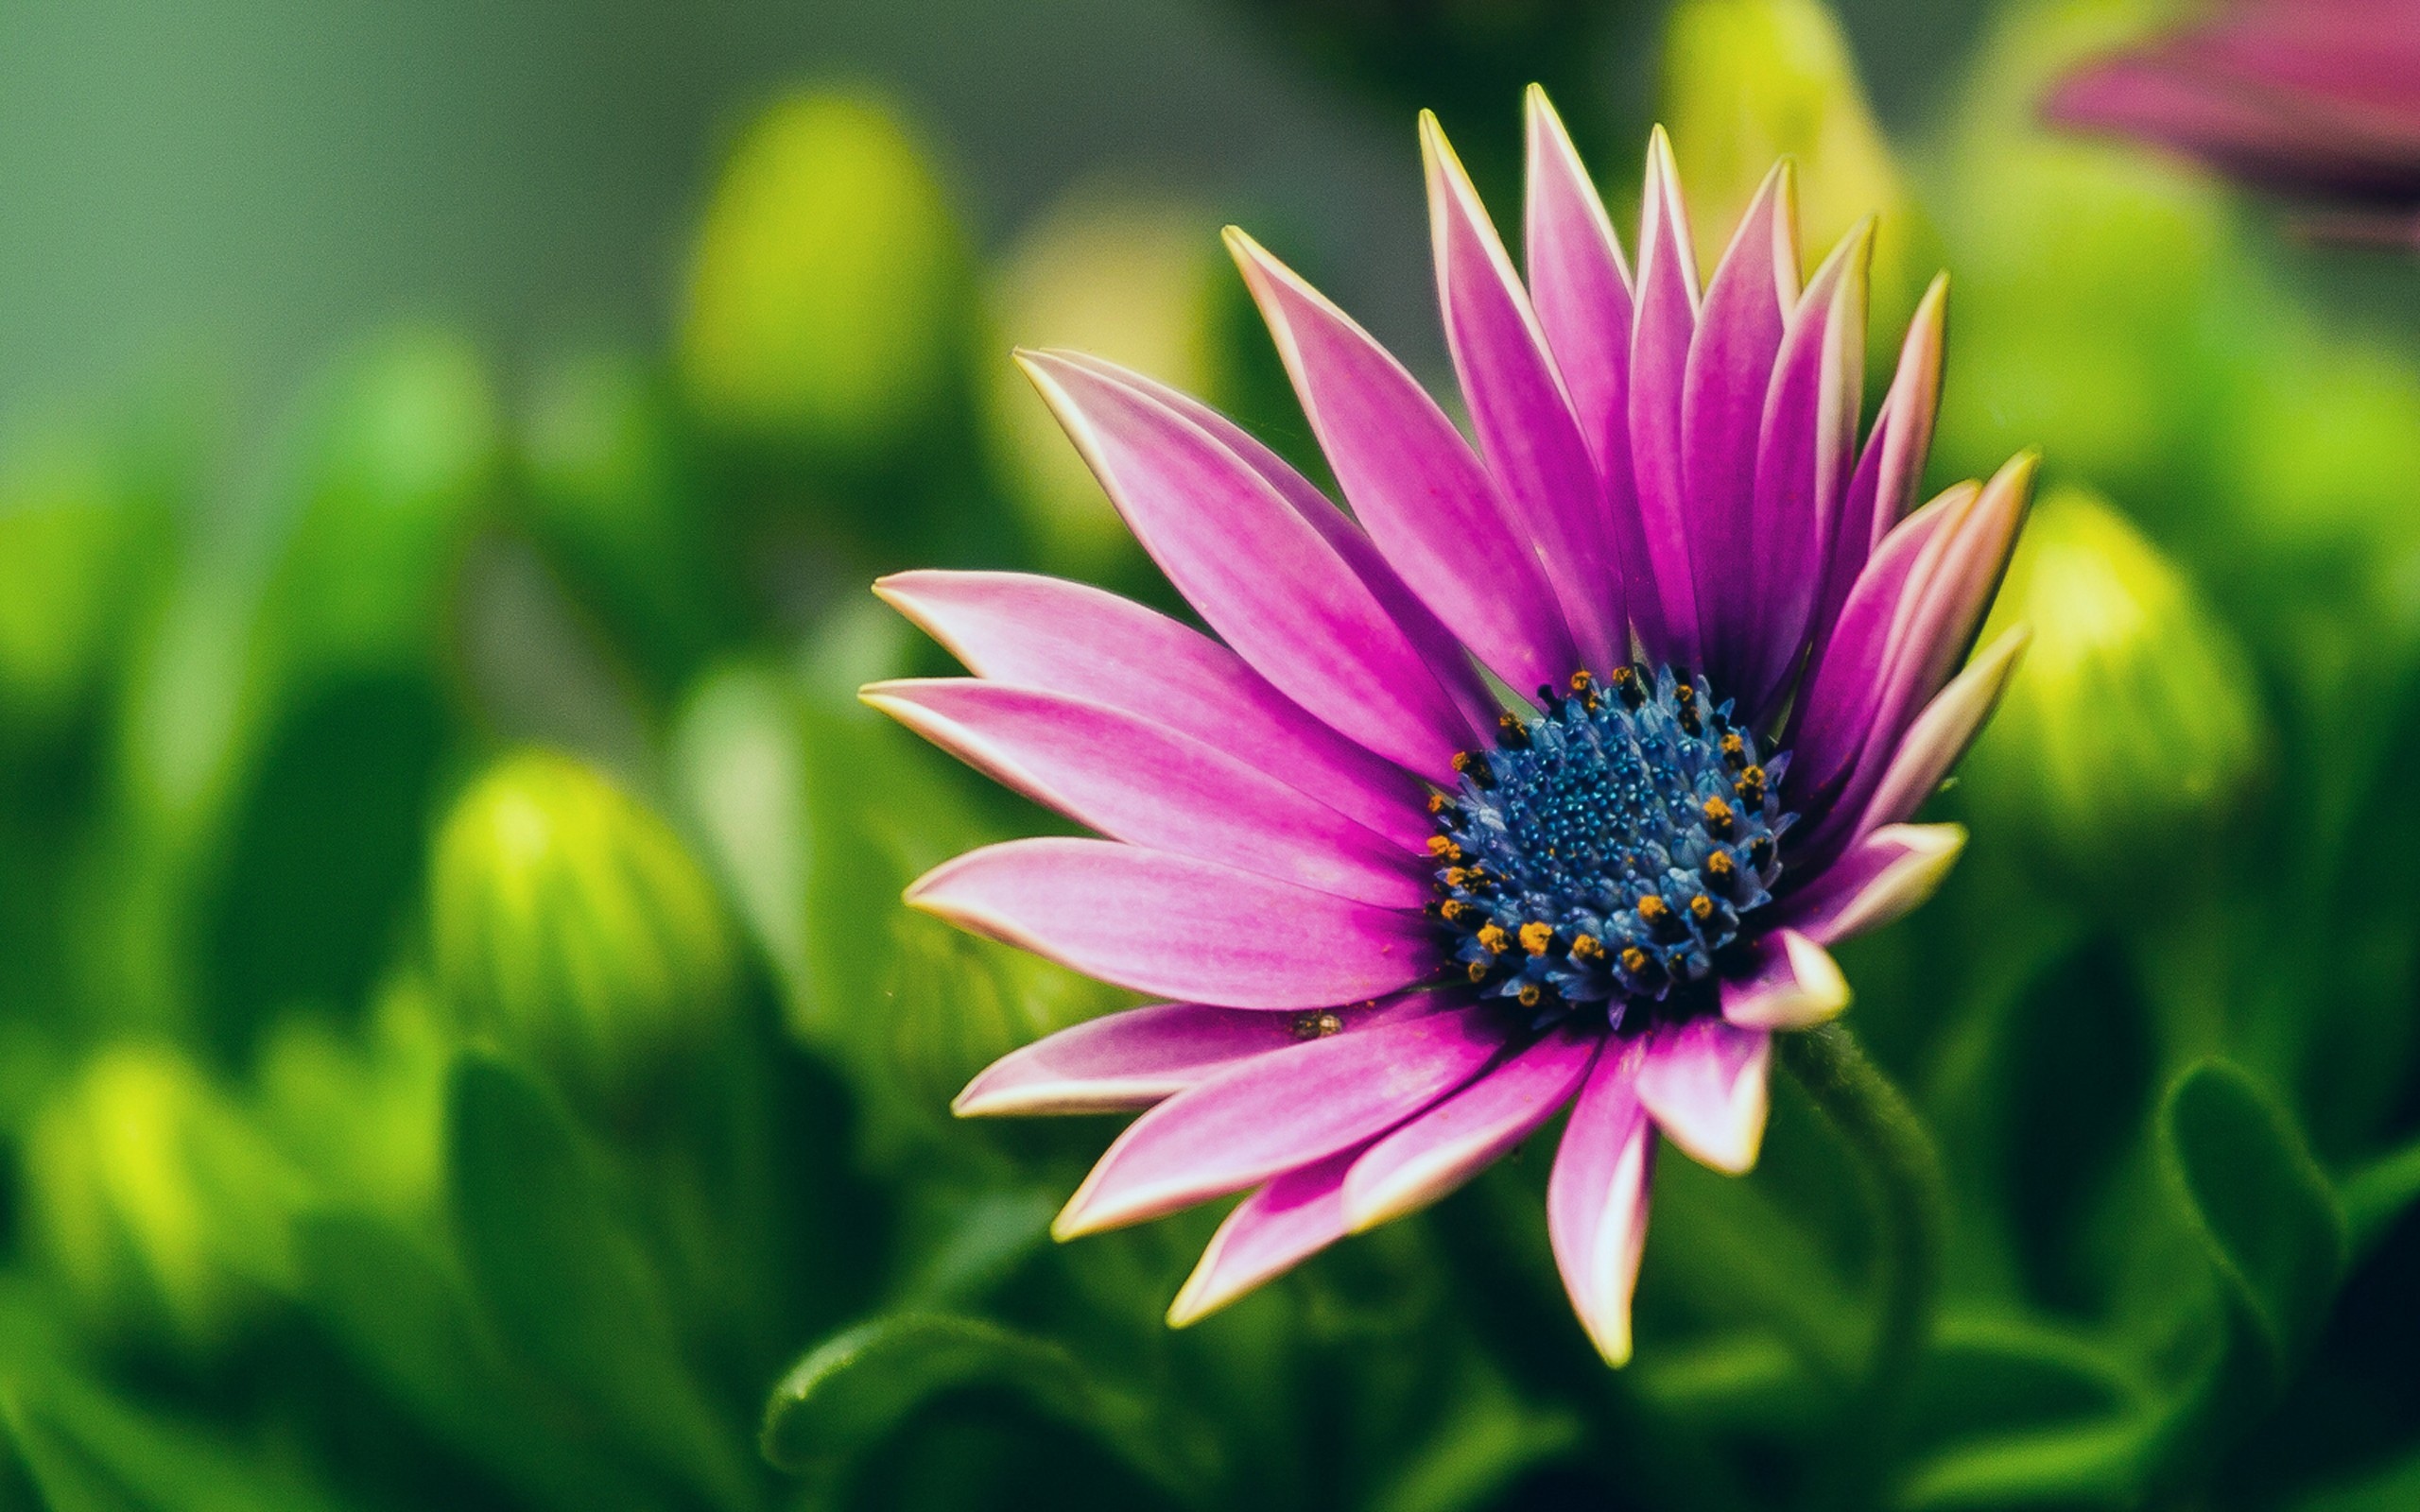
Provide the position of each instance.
(829, 283)
(2131, 725)
(572, 926)
(158, 1205)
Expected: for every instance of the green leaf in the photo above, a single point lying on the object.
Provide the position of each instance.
(2084, 1464)
(2378, 1194)
(859, 1385)
(2264, 1212)
(566, 1283)
(407, 1322)
(86, 1452)
(2396, 1488)
(1995, 1374)
(1487, 1438)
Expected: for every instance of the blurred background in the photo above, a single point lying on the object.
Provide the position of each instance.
(460, 1045)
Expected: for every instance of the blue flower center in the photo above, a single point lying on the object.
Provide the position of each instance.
(1607, 850)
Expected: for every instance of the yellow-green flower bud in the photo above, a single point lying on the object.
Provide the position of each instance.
(159, 1207)
(572, 926)
(828, 286)
(1748, 82)
(2130, 727)
(1124, 276)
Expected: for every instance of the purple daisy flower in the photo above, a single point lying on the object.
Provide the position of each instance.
(1403, 915)
(2318, 99)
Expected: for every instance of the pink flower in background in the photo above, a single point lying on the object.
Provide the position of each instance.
(2317, 99)
(1403, 917)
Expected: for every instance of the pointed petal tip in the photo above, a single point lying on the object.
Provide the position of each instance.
(1611, 1342)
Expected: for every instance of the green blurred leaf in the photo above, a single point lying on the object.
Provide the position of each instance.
(1487, 1439)
(566, 1282)
(860, 1385)
(2000, 1373)
(2396, 1488)
(404, 1318)
(2089, 1465)
(2265, 1212)
(86, 1452)
(2376, 1194)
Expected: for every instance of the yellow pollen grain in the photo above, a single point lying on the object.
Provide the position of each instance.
(1529, 995)
(1493, 941)
(1653, 909)
(1702, 908)
(1633, 959)
(1478, 970)
(1536, 937)
(1588, 948)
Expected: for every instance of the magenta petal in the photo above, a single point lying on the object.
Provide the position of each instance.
(1135, 1059)
(1883, 488)
(1140, 781)
(1796, 985)
(1659, 357)
(1524, 419)
(1177, 927)
(1579, 287)
(1596, 1198)
(1259, 573)
(1445, 1146)
(1806, 444)
(1722, 409)
(1878, 880)
(1447, 662)
(1413, 481)
(1069, 638)
(1274, 1230)
(1939, 606)
(1941, 734)
(1703, 1082)
(1276, 1112)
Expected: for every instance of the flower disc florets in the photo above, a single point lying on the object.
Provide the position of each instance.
(1606, 850)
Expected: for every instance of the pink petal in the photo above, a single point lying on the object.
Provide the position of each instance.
(1932, 630)
(1807, 441)
(1140, 781)
(1723, 408)
(1704, 1083)
(1524, 419)
(1278, 1227)
(1070, 638)
(1413, 481)
(1176, 927)
(1796, 985)
(1879, 880)
(1445, 1146)
(1135, 1059)
(1941, 734)
(1659, 357)
(1447, 662)
(1889, 472)
(1596, 1198)
(1248, 1124)
(1581, 289)
(1256, 570)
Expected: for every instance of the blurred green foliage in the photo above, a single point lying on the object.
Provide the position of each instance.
(460, 1045)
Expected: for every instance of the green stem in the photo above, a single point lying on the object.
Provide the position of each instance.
(1902, 1170)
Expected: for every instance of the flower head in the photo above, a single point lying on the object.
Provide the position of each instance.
(2318, 99)
(1403, 918)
